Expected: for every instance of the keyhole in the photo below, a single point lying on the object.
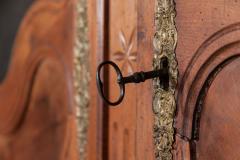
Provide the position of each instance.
(164, 80)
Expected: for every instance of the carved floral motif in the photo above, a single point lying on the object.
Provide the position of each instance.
(127, 55)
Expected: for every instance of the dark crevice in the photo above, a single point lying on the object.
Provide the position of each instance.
(193, 150)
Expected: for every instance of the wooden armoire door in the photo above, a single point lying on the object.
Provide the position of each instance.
(209, 87)
(124, 31)
(197, 117)
(37, 116)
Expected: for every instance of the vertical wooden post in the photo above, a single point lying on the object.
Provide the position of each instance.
(98, 124)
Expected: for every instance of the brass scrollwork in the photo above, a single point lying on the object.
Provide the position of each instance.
(164, 106)
(82, 75)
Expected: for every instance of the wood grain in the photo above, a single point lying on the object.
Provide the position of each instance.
(122, 120)
(37, 115)
(206, 40)
(219, 127)
(208, 36)
(123, 34)
(144, 121)
(98, 112)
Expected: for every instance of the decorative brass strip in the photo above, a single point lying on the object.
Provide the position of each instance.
(82, 75)
(164, 105)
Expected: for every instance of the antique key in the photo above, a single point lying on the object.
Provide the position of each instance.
(138, 77)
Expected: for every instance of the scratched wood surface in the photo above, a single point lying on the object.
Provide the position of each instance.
(37, 119)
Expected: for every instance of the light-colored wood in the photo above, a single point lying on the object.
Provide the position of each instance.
(97, 133)
(123, 51)
(144, 111)
(37, 115)
(126, 131)
(131, 48)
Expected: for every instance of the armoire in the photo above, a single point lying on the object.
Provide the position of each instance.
(194, 118)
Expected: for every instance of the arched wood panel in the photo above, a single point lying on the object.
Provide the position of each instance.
(37, 115)
(216, 117)
(198, 92)
(207, 95)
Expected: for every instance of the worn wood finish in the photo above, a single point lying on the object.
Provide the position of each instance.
(219, 127)
(144, 111)
(131, 48)
(208, 90)
(124, 132)
(98, 119)
(37, 115)
(123, 51)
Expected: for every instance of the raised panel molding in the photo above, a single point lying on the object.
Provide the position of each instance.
(219, 47)
(203, 93)
(218, 51)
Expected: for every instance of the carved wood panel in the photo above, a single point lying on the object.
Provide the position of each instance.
(37, 115)
(208, 55)
(218, 127)
(121, 32)
(123, 51)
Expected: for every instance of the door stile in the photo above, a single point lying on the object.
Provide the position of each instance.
(98, 121)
